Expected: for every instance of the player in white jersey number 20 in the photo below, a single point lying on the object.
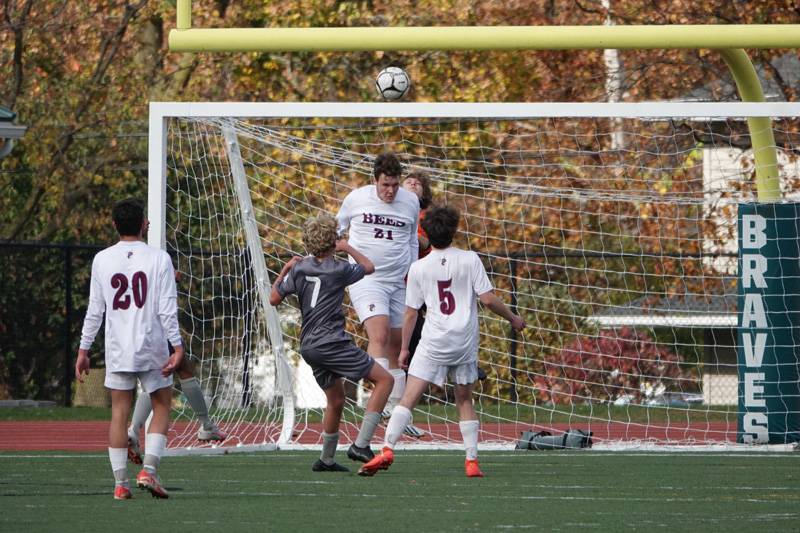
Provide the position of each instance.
(134, 285)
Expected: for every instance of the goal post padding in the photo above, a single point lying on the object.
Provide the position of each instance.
(769, 323)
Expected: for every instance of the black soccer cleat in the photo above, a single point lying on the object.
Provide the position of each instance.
(319, 466)
(363, 455)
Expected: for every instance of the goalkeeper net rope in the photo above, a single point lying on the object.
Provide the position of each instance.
(621, 258)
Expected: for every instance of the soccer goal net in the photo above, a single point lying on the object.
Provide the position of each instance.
(611, 228)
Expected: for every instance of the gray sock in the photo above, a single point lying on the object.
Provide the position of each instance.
(151, 463)
(140, 412)
(329, 443)
(121, 477)
(194, 394)
(371, 419)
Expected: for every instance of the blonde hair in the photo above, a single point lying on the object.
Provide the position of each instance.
(319, 234)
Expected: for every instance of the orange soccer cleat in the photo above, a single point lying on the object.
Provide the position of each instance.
(121, 492)
(472, 468)
(382, 461)
(146, 480)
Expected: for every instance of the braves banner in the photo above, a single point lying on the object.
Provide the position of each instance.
(769, 323)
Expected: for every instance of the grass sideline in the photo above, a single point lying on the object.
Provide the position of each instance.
(554, 491)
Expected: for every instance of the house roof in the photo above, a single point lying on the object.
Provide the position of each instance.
(6, 115)
(692, 310)
(724, 89)
(8, 129)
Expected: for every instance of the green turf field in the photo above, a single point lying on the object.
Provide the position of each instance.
(423, 491)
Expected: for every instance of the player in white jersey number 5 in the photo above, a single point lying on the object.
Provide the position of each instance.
(449, 281)
(381, 222)
(134, 285)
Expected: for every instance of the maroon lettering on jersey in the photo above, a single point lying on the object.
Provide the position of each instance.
(122, 300)
(139, 287)
(369, 218)
(447, 301)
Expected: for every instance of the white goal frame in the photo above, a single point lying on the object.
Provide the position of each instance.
(160, 112)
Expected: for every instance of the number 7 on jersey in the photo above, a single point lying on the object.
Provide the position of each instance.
(314, 295)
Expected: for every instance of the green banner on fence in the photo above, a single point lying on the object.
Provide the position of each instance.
(769, 323)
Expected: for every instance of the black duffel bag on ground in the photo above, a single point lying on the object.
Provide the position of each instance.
(572, 439)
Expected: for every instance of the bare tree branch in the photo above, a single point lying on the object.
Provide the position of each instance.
(17, 26)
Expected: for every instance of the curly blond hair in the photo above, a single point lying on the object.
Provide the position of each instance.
(319, 234)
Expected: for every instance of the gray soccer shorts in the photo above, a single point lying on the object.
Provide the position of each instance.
(337, 360)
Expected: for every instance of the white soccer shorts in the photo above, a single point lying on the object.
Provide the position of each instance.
(371, 298)
(151, 380)
(423, 368)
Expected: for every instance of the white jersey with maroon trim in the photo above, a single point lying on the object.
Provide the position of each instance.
(134, 284)
(385, 232)
(448, 282)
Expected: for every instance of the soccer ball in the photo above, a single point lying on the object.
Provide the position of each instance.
(392, 83)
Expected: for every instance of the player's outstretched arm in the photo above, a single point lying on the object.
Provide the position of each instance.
(409, 321)
(343, 246)
(490, 300)
(275, 296)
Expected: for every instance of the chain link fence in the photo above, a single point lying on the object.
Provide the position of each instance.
(44, 290)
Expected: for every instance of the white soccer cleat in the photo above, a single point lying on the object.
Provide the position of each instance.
(214, 433)
(413, 431)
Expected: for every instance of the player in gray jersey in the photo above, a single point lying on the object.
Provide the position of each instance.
(319, 281)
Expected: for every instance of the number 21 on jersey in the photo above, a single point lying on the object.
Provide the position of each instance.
(381, 233)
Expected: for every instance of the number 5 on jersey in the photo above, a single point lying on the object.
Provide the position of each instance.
(447, 302)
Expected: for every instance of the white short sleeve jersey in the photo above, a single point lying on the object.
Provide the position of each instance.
(448, 282)
(134, 284)
(385, 232)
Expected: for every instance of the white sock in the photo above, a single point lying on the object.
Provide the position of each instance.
(119, 461)
(469, 432)
(399, 388)
(154, 444)
(401, 416)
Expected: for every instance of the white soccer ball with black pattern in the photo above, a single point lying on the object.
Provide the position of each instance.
(392, 83)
